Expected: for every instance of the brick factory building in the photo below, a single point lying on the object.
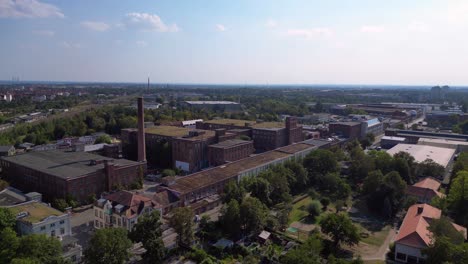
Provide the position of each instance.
(229, 150)
(58, 174)
(170, 146)
(201, 190)
(265, 135)
(350, 130)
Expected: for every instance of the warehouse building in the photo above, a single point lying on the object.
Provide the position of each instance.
(58, 174)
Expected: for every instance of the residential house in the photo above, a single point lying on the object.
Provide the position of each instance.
(414, 235)
(121, 209)
(424, 190)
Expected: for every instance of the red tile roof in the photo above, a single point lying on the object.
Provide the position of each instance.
(429, 183)
(425, 189)
(133, 203)
(413, 230)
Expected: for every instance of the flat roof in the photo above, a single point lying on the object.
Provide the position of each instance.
(211, 102)
(36, 212)
(349, 123)
(241, 123)
(393, 138)
(230, 143)
(168, 131)
(442, 141)
(63, 164)
(420, 153)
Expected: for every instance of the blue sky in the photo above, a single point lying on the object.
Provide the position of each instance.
(242, 41)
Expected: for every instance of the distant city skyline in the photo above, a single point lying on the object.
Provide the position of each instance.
(421, 42)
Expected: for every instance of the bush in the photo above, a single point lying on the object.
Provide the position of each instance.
(313, 193)
(314, 209)
(325, 202)
(60, 204)
(168, 172)
(91, 198)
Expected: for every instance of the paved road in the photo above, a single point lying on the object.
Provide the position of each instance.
(82, 226)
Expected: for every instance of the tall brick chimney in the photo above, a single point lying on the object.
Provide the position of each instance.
(141, 131)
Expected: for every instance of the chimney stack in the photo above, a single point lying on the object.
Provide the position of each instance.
(141, 131)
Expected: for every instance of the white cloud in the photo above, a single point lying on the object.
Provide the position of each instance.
(28, 9)
(142, 44)
(148, 22)
(70, 45)
(372, 29)
(46, 33)
(220, 27)
(309, 33)
(95, 25)
(417, 26)
(271, 23)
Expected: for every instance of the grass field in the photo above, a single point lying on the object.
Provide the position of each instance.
(375, 238)
(299, 210)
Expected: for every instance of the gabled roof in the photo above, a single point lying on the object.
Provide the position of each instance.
(133, 203)
(165, 198)
(413, 230)
(425, 189)
(429, 183)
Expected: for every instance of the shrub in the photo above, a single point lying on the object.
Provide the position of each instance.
(314, 209)
(325, 202)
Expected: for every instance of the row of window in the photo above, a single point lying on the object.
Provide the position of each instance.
(53, 224)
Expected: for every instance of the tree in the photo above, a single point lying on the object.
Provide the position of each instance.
(299, 181)
(336, 187)
(261, 189)
(325, 202)
(458, 197)
(440, 251)
(9, 244)
(103, 139)
(233, 190)
(230, 218)
(278, 180)
(182, 222)
(320, 162)
(40, 248)
(108, 245)
(372, 182)
(148, 231)
(444, 227)
(314, 209)
(429, 168)
(7, 219)
(340, 228)
(368, 140)
(253, 214)
(307, 253)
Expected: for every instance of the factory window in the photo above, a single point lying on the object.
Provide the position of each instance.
(62, 222)
(52, 225)
(62, 231)
(42, 227)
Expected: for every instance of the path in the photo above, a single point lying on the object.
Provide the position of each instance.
(380, 254)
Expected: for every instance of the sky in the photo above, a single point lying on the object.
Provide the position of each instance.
(418, 42)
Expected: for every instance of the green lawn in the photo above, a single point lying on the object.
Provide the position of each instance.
(299, 210)
(375, 238)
